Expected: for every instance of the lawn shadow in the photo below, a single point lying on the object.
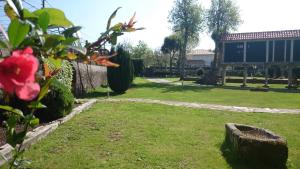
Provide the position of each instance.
(178, 88)
(235, 162)
(97, 94)
(171, 87)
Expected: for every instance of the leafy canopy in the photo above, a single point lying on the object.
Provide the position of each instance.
(222, 17)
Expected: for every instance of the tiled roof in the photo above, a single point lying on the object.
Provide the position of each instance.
(201, 52)
(262, 35)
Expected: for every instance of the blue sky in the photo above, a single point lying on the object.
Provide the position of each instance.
(92, 15)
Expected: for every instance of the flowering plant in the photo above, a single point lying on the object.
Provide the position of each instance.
(27, 43)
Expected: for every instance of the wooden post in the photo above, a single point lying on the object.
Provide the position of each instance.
(43, 3)
(245, 77)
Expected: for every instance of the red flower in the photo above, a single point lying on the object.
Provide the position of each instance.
(17, 74)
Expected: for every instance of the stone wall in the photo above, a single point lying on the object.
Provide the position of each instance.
(87, 77)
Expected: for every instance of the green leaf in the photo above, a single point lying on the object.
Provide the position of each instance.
(36, 105)
(44, 20)
(52, 41)
(112, 16)
(117, 27)
(16, 138)
(3, 44)
(27, 14)
(34, 122)
(17, 32)
(45, 88)
(113, 39)
(12, 4)
(69, 32)
(69, 41)
(11, 109)
(57, 17)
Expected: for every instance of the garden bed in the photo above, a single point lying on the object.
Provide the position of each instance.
(40, 131)
(256, 145)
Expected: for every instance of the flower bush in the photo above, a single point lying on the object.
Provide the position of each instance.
(17, 74)
(28, 44)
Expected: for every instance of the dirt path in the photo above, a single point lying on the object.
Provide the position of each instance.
(209, 106)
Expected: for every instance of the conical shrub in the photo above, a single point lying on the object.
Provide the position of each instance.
(120, 78)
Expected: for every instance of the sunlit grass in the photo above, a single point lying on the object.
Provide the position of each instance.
(231, 94)
(130, 135)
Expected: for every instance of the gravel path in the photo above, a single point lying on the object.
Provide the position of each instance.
(209, 106)
(159, 81)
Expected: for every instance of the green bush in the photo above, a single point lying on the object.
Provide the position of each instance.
(59, 102)
(65, 75)
(138, 65)
(120, 79)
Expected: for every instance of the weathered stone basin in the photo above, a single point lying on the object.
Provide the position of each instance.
(257, 145)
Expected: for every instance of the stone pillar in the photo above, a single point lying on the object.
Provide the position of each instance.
(224, 75)
(245, 77)
(266, 76)
(290, 76)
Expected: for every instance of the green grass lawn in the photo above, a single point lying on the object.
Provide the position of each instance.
(130, 135)
(231, 94)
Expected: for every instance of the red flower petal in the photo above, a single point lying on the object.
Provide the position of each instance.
(28, 92)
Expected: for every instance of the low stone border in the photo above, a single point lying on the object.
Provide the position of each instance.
(42, 131)
(208, 106)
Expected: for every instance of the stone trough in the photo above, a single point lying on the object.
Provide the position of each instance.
(256, 145)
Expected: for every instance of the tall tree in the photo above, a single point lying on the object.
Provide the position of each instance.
(171, 47)
(187, 17)
(222, 17)
(143, 51)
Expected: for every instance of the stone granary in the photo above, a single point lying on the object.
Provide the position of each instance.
(281, 48)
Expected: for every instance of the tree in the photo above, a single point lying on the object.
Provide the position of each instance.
(187, 18)
(222, 17)
(171, 46)
(142, 51)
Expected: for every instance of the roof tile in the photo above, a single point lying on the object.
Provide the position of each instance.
(286, 34)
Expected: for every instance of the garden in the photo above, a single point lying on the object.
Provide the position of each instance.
(64, 105)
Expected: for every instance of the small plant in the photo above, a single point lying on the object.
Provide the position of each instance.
(59, 102)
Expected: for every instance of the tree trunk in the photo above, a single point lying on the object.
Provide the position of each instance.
(183, 55)
(171, 62)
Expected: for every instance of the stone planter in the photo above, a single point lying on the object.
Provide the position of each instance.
(256, 145)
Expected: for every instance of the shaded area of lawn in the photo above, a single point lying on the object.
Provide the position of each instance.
(232, 94)
(130, 135)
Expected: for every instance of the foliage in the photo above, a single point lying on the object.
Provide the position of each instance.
(142, 51)
(222, 17)
(65, 74)
(160, 59)
(171, 46)
(59, 102)
(138, 65)
(120, 79)
(28, 43)
(187, 18)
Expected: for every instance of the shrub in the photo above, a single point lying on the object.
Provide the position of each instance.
(59, 102)
(138, 65)
(120, 79)
(65, 75)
